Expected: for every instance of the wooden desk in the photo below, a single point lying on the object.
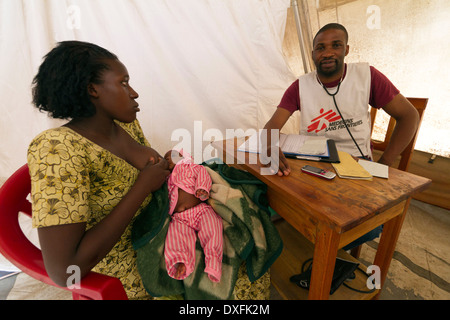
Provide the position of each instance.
(333, 213)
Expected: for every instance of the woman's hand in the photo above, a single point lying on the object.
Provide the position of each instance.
(154, 174)
(154, 156)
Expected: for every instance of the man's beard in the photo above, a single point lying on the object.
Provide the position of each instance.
(329, 71)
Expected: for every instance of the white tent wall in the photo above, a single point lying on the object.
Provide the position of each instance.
(197, 65)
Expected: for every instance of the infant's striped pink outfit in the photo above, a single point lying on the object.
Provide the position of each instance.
(201, 219)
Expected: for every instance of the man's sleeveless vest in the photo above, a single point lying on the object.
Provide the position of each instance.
(319, 116)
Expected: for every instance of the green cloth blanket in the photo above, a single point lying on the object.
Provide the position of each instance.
(249, 235)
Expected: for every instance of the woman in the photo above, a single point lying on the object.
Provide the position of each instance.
(91, 177)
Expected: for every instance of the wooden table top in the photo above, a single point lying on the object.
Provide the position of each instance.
(343, 203)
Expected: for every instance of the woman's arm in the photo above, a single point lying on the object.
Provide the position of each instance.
(66, 245)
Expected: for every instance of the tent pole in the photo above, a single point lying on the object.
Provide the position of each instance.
(307, 66)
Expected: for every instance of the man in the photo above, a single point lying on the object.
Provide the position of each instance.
(337, 94)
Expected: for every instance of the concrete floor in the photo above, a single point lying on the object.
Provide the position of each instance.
(420, 268)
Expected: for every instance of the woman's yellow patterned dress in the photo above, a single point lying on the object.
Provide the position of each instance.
(74, 180)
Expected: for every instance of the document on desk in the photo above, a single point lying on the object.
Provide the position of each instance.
(374, 168)
(293, 144)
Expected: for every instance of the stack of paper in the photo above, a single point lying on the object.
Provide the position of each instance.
(305, 145)
(294, 144)
(374, 168)
(349, 168)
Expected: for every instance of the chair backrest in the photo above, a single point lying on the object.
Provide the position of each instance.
(16, 247)
(405, 157)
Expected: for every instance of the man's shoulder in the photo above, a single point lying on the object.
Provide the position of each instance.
(358, 66)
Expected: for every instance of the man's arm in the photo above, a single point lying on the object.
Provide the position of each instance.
(407, 121)
(278, 120)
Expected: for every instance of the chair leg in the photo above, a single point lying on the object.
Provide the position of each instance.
(356, 252)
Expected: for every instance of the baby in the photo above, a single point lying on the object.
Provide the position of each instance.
(189, 185)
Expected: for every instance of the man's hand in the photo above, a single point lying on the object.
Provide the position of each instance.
(283, 166)
(279, 118)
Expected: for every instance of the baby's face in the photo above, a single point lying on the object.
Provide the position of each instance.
(172, 157)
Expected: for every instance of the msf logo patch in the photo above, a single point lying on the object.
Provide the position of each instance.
(321, 122)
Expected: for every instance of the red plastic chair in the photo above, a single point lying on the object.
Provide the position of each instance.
(15, 246)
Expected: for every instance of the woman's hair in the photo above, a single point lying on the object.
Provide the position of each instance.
(61, 84)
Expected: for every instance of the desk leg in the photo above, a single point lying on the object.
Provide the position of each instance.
(325, 253)
(388, 241)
